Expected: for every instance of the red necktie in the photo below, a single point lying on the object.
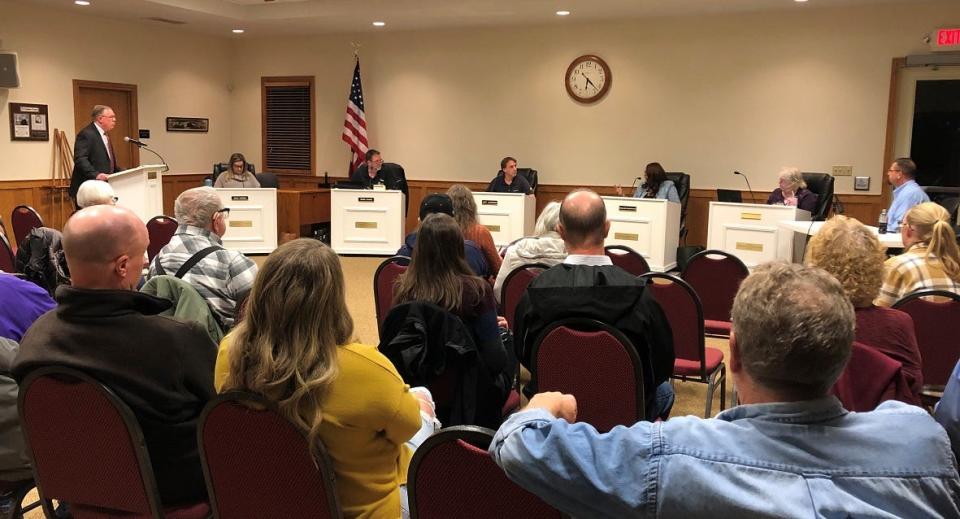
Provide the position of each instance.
(113, 159)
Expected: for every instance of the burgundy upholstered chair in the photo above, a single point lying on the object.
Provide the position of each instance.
(627, 259)
(935, 314)
(694, 360)
(514, 286)
(258, 464)
(23, 220)
(160, 229)
(7, 259)
(870, 378)
(384, 280)
(716, 276)
(87, 449)
(452, 475)
(597, 364)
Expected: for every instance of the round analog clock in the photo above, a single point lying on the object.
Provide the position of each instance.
(588, 78)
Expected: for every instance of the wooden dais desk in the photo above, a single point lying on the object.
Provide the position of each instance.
(298, 209)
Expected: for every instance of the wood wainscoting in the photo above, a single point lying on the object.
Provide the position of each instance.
(41, 195)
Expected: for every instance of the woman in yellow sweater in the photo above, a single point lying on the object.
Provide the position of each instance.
(295, 348)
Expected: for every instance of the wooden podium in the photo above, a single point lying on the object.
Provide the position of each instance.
(140, 189)
(649, 226)
(252, 226)
(366, 221)
(752, 232)
(508, 216)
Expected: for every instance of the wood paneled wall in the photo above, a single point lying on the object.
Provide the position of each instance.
(40, 195)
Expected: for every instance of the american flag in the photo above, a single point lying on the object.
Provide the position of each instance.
(355, 122)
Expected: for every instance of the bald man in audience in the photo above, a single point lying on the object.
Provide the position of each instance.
(588, 285)
(791, 449)
(160, 367)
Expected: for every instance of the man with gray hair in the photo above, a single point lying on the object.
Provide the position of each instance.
(93, 157)
(196, 255)
(791, 449)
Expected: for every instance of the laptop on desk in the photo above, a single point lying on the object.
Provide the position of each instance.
(729, 195)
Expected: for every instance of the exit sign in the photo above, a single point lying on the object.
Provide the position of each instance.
(946, 39)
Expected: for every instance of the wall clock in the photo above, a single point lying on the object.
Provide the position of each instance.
(588, 78)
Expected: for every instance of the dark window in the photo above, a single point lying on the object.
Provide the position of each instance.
(288, 125)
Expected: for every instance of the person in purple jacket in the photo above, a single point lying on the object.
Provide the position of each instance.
(793, 191)
(21, 303)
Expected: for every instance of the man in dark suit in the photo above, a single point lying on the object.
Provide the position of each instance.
(93, 157)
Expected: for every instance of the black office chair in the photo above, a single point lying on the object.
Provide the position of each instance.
(530, 175)
(393, 178)
(822, 185)
(682, 182)
(220, 167)
(267, 179)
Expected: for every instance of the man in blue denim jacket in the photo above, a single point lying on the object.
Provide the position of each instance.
(790, 451)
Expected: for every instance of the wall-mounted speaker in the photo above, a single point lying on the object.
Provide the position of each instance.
(9, 70)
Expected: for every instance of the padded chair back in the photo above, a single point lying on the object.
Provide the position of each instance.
(24, 219)
(716, 276)
(870, 378)
(267, 180)
(86, 446)
(515, 285)
(530, 175)
(934, 321)
(452, 475)
(627, 259)
(822, 185)
(597, 364)
(684, 312)
(258, 464)
(682, 182)
(7, 259)
(160, 229)
(384, 281)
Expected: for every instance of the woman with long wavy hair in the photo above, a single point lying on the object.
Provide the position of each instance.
(295, 347)
(439, 274)
(465, 213)
(930, 259)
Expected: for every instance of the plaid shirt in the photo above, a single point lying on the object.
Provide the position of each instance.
(913, 270)
(223, 277)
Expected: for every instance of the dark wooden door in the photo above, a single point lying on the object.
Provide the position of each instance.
(123, 99)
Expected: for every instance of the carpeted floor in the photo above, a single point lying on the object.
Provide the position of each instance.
(358, 272)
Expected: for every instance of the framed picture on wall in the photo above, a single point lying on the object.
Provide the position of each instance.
(188, 124)
(28, 122)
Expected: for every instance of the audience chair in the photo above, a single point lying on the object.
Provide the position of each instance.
(869, 379)
(822, 185)
(934, 313)
(597, 364)
(160, 229)
(694, 360)
(627, 259)
(258, 464)
(7, 259)
(452, 475)
(24, 220)
(682, 181)
(18, 490)
(384, 281)
(88, 450)
(716, 276)
(514, 286)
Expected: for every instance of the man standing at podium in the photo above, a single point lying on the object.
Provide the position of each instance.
(93, 157)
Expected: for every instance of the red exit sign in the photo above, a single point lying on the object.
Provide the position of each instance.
(947, 39)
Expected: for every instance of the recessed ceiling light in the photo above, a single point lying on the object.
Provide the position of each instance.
(563, 13)
(800, 1)
(379, 24)
(81, 2)
(238, 31)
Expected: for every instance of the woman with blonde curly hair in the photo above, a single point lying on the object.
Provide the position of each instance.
(465, 212)
(851, 252)
(931, 258)
(295, 347)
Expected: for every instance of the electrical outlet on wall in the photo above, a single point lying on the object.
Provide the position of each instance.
(843, 171)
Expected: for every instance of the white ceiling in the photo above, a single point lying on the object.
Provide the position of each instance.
(285, 17)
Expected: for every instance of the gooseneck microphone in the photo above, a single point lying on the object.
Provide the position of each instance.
(753, 199)
(143, 146)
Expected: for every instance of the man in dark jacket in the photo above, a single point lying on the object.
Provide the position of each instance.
(160, 367)
(588, 285)
(93, 157)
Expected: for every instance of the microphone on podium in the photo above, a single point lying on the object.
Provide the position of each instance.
(752, 198)
(143, 145)
(134, 141)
